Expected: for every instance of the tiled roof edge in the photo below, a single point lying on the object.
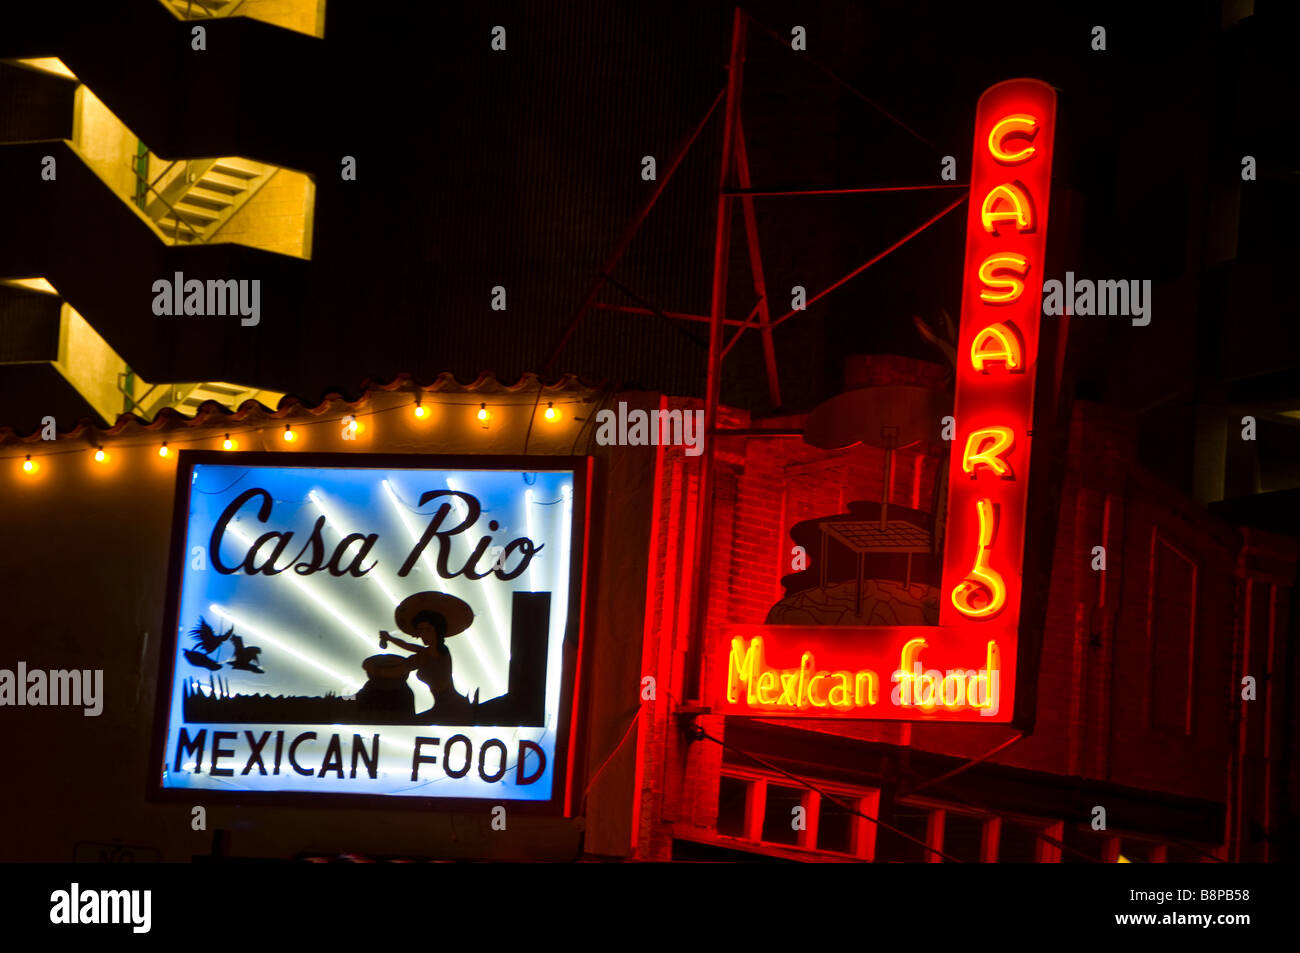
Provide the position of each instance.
(212, 412)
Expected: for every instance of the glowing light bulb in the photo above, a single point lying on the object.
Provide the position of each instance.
(100, 455)
(29, 466)
(419, 409)
(163, 451)
(289, 435)
(483, 412)
(228, 444)
(551, 412)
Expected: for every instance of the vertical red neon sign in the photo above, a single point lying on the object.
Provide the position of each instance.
(997, 358)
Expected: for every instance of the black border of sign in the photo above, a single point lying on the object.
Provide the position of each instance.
(561, 767)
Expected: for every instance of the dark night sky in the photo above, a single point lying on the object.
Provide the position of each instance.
(533, 169)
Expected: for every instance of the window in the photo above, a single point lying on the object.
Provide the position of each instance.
(1021, 840)
(1018, 844)
(966, 835)
(963, 836)
(917, 823)
(835, 828)
(1087, 845)
(761, 808)
(781, 807)
(732, 796)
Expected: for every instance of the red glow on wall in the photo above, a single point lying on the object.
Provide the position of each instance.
(1006, 236)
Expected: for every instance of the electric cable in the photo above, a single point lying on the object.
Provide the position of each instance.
(834, 76)
(610, 757)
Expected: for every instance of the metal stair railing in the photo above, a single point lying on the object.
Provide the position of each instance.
(191, 176)
(207, 11)
(149, 187)
(173, 395)
(195, 169)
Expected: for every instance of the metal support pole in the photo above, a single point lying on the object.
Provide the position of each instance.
(857, 604)
(679, 315)
(889, 434)
(793, 190)
(756, 267)
(717, 314)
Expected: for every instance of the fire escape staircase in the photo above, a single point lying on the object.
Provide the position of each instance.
(204, 9)
(187, 201)
(188, 397)
(198, 198)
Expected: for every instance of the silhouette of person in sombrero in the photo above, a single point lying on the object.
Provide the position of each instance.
(431, 617)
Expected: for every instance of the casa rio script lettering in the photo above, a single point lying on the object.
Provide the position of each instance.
(269, 553)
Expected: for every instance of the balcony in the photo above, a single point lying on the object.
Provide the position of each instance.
(48, 348)
(301, 16)
(201, 200)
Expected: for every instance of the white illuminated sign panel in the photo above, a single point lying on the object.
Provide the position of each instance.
(364, 626)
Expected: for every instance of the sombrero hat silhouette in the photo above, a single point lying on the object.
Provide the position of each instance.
(457, 612)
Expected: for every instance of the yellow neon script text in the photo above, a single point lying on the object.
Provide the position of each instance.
(953, 690)
(1007, 203)
(1017, 124)
(981, 580)
(997, 342)
(985, 447)
(798, 689)
(1002, 289)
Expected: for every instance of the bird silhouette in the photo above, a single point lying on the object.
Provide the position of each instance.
(205, 637)
(206, 642)
(245, 658)
(201, 660)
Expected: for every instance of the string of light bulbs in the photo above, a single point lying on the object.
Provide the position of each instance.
(32, 462)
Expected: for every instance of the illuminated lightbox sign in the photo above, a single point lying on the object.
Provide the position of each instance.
(963, 669)
(365, 626)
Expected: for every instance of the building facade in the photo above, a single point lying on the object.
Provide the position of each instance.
(1144, 673)
(1160, 713)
